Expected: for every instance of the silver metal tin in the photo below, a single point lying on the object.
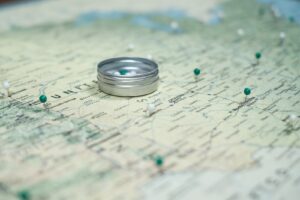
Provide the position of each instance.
(128, 76)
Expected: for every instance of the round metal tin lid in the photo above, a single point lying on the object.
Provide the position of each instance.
(128, 76)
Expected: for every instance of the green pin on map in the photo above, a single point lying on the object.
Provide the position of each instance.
(197, 72)
(159, 161)
(291, 19)
(257, 56)
(247, 91)
(43, 98)
(24, 195)
(261, 11)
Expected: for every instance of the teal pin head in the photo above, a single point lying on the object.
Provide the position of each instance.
(43, 98)
(258, 55)
(247, 91)
(159, 161)
(291, 19)
(24, 195)
(123, 71)
(197, 71)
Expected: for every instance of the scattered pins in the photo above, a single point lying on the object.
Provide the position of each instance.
(24, 195)
(6, 86)
(258, 57)
(130, 47)
(282, 38)
(43, 100)
(151, 109)
(197, 72)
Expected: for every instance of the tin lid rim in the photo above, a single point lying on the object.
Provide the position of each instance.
(146, 61)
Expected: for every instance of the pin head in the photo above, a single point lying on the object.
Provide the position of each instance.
(291, 19)
(159, 161)
(174, 25)
(149, 56)
(292, 117)
(5, 84)
(247, 91)
(123, 71)
(261, 11)
(257, 55)
(23, 195)
(150, 108)
(282, 35)
(240, 32)
(130, 47)
(197, 71)
(43, 98)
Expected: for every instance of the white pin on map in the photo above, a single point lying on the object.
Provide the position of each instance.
(282, 37)
(6, 86)
(240, 32)
(130, 47)
(292, 117)
(150, 109)
(174, 25)
(292, 121)
(149, 56)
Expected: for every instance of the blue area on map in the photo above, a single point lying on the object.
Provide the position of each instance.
(150, 24)
(216, 15)
(144, 20)
(287, 8)
(92, 16)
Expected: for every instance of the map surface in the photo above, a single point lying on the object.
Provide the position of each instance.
(216, 143)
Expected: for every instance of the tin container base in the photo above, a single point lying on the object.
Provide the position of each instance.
(123, 91)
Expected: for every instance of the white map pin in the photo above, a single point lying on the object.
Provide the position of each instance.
(6, 86)
(282, 37)
(150, 109)
(130, 47)
(174, 25)
(240, 32)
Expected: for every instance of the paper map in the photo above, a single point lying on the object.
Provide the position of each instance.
(87, 145)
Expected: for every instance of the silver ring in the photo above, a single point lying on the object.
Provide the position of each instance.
(128, 76)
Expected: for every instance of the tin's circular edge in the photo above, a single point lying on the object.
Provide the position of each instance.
(139, 59)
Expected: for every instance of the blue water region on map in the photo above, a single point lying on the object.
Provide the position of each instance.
(141, 19)
(289, 9)
(216, 15)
